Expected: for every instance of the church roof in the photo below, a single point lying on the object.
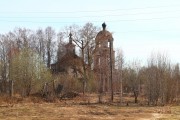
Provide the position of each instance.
(69, 45)
(70, 59)
(104, 34)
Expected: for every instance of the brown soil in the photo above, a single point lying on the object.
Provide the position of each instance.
(81, 108)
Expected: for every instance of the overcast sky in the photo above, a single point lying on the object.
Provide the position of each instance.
(139, 27)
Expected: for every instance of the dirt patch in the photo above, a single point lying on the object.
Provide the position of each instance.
(56, 111)
(69, 95)
(82, 108)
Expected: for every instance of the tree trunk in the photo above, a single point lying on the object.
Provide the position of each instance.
(121, 89)
(135, 97)
(111, 79)
(49, 59)
(84, 70)
(11, 84)
(135, 100)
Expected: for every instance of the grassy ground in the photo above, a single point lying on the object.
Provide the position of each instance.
(78, 109)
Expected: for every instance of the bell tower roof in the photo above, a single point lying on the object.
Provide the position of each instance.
(104, 34)
(70, 47)
(70, 37)
(104, 26)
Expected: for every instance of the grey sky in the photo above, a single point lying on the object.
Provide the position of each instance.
(139, 26)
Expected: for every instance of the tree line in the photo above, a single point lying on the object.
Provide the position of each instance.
(158, 81)
(26, 56)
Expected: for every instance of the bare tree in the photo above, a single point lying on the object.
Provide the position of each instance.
(22, 37)
(84, 39)
(61, 45)
(88, 33)
(161, 80)
(4, 45)
(41, 44)
(120, 65)
(177, 81)
(49, 36)
(132, 80)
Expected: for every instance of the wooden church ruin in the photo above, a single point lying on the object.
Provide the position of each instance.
(103, 61)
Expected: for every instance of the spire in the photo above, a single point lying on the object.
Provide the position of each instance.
(104, 26)
(70, 37)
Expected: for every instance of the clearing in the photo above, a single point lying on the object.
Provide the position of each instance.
(78, 109)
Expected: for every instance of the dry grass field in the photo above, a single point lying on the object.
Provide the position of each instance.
(82, 109)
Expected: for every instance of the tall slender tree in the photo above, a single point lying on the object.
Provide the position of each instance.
(49, 37)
